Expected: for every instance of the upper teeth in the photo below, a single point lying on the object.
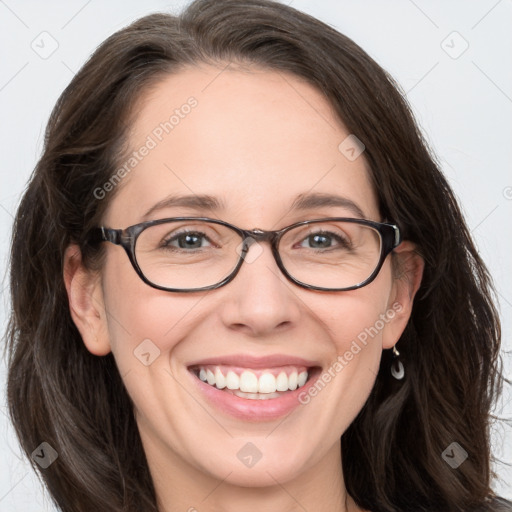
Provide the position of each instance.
(249, 382)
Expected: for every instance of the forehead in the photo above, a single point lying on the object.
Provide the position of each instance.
(254, 138)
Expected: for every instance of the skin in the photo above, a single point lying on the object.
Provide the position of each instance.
(256, 140)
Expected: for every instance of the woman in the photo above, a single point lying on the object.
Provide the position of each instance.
(240, 282)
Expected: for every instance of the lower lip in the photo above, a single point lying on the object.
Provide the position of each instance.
(254, 410)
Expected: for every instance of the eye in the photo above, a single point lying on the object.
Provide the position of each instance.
(324, 240)
(187, 240)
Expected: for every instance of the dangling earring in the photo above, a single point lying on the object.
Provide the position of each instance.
(397, 368)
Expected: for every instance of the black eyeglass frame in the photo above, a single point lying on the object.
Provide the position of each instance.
(127, 239)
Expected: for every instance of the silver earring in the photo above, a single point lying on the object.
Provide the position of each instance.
(397, 368)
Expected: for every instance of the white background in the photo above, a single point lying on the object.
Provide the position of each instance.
(463, 104)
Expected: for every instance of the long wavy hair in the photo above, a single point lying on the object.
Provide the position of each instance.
(61, 394)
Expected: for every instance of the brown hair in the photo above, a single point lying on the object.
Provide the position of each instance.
(60, 393)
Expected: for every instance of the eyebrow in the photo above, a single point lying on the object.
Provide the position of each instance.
(302, 202)
(319, 200)
(195, 201)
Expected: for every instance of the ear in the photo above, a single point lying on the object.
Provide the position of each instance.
(408, 268)
(86, 302)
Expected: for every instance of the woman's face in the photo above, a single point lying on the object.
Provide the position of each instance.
(256, 141)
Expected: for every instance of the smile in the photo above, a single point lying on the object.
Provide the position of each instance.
(261, 384)
(253, 389)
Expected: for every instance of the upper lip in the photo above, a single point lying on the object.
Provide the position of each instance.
(249, 361)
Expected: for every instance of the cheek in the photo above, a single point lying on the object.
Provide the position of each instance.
(358, 314)
(356, 321)
(143, 322)
(357, 328)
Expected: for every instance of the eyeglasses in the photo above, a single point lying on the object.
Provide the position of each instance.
(187, 254)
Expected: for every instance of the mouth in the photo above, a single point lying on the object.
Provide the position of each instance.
(254, 393)
(254, 384)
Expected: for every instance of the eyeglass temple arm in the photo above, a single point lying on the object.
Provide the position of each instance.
(105, 235)
(398, 236)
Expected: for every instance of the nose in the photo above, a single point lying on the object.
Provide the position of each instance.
(260, 300)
